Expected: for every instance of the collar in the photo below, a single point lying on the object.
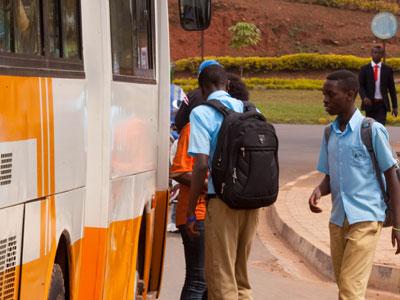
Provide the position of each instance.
(218, 94)
(354, 121)
(373, 64)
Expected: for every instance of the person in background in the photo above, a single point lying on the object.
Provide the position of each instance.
(237, 88)
(181, 171)
(376, 82)
(358, 205)
(177, 98)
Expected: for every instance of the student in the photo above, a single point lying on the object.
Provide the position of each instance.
(195, 285)
(358, 207)
(181, 171)
(195, 98)
(236, 88)
(376, 82)
(228, 232)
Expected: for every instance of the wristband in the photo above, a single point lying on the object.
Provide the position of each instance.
(396, 229)
(191, 219)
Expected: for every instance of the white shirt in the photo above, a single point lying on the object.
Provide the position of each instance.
(378, 94)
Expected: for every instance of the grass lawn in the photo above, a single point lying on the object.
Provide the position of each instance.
(296, 106)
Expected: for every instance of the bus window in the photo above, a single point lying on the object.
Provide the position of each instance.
(144, 34)
(54, 26)
(70, 29)
(121, 22)
(5, 25)
(132, 39)
(41, 37)
(27, 27)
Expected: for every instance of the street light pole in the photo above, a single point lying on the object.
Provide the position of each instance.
(202, 45)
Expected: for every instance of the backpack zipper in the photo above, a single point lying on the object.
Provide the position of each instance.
(234, 176)
(222, 187)
(243, 151)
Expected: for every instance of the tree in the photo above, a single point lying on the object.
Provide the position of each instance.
(244, 35)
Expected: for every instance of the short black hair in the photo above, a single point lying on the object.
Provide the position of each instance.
(213, 75)
(237, 88)
(378, 47)
(347, 80)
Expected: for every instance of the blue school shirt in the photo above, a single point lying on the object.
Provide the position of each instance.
(356, 194)
(205, 123)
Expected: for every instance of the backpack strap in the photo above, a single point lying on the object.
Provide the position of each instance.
(327, 133)
(225, 111)
(366, 137)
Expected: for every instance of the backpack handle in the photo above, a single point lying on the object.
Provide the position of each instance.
(248, 106)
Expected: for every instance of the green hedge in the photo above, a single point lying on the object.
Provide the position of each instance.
(189, 84)
(293, 62)
(364, 5)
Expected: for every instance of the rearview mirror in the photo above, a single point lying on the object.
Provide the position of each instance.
(195, 14)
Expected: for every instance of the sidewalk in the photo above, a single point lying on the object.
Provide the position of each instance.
(308, 233)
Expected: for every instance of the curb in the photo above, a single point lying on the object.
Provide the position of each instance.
(382, 277)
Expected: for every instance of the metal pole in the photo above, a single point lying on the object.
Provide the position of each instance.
(202, 45)
(384, 51)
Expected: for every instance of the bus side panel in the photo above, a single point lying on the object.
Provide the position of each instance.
(91, 281)
(70, 127)
(70, 221)
(127, 200)
(11, 220)
(22, 127)
(45, 222)
(39, 248)
(134, 129)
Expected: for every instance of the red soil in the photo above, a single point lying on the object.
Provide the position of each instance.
(286, 27)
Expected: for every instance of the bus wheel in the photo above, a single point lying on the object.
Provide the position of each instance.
(57, 288)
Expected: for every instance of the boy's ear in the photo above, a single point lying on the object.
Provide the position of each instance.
(352, 94)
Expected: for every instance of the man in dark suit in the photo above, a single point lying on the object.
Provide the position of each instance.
(376, 82)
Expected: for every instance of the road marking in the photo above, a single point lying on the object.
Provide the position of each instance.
(300, 178)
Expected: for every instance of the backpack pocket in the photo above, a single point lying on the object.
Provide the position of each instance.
(262, 180)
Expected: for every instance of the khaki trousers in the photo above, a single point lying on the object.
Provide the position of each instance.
(228, 237)
(352, 250)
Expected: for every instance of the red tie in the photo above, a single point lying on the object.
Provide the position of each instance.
(376, 68)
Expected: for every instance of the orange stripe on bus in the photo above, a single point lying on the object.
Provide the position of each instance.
(93, 263)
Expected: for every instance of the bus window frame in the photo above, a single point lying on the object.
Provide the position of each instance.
(143, 76)
(19, 64)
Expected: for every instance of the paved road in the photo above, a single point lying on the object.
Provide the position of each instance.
(275, 271)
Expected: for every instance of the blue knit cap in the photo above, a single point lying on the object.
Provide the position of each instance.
(207, 63)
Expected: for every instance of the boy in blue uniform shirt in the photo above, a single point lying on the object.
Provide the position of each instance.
(228, 232)
(358, 207)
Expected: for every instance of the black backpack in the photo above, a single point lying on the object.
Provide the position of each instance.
(245, 169)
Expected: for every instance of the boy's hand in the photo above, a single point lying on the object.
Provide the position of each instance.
(191, 227)
(314, 199)
(396, 240)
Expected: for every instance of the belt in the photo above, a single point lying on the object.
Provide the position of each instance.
(377, 100)
(210, 196)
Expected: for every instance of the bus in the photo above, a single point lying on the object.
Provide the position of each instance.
(84, 142)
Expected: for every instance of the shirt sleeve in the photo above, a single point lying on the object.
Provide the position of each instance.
(323, 165)
(200, 137)
(381, 145)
